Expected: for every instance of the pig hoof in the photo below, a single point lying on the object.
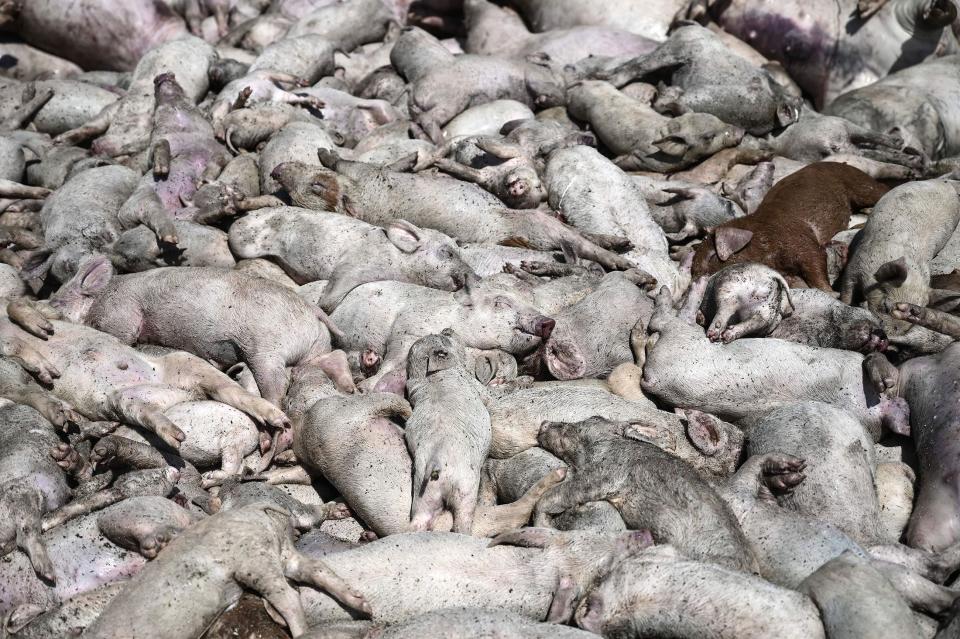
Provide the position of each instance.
(151, 545)
(68, 459)
(337, 511)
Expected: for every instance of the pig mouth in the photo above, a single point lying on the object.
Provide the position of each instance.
(564, 360)
(876, 342)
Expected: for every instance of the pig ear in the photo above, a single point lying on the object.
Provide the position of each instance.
(465, 292)
(525, 538)
(21, 616)
(672, 145)
(94, 275)
(704, 432)
(404, 236)
(729, 240)
(787, 114)
(893, 272)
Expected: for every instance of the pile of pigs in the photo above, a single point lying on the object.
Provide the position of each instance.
(454, 318)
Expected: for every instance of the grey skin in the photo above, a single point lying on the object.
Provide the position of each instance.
(348, 25)
(914, 102)
(314, 246)
(122, 384)
(365, 458)
(440, 92)
(661, 593)
(595, 196)
(81, 218)
(477, 622)
(685, 209)
(218, 437)
(487, 118)
(123, 127)
(253, 544)
(303, 517)
(31, 484)
(891, 260)
(167, 307)
(70, 619)
(448, 433)
(819, 319)
(744, 300)
(388, 317)
(494, 30)
(651, 489)
(708, 77)
(458, 209)
(744, 379)
(73, 104)
(640, 138)
(839, 486)
(83, 561)
(637, 17)
(856, 600)
(590, 341)
(530, 571)
(29, 63)
(137, 249)
(349, 117)
(831, 48)
(144, 524)
(247, 127)
(295, 142)
(815, 137)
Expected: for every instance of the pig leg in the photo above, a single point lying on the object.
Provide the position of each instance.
(188, 372)
(144, 207)
(32, 316)
(72, 462)
(265, 576)
(53, 409)
(271, 376)
(564, 496)
(769, 475)
(919, 593)
(128, 405)
(133, 484)
(666, 55)
(458, 170)
(817, 275)
(23, 113)
(93, 128)
(756, 324)
(27, 358)
(314, 572)
(160, 158)
(929, 318)
(936, 566)
(290, 475)
(10, 189)
(464, 508)
(26, 505)
(883, 375)
(493, 520)
(336, 366)
(114, 451)
(564, 601)
(721, 319)
(231, 461)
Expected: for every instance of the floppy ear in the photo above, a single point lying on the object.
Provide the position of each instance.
(94, 275)
(729, 240)
(525, 538)
(404, 236)
(703, 432)
(893, 272)
(672, 145)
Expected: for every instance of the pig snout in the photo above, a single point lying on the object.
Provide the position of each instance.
(876, 340)
(539, 325)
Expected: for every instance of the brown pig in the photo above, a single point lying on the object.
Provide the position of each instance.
(789, 229)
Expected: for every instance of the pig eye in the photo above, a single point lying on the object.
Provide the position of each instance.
(501, 303)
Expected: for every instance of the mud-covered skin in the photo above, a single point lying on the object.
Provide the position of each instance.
(254, 545)
(830, 48)
(651, 595)
(406, 312)
(458, 209)
(712, 79)
(153, 307)
(69, 619)
(915, 102)
(72, 105)
(642, 139)
(448, 433)
(748, 377)
(891, 259)
(855, 599)
(935, 523)
(637, 17)
(476, 622)
(454, 570)
(819, 319)
(796, 218)
(314, 246)
(744, 300)
(144, 524)
(651, 489)
(31, 484)
(145, 24)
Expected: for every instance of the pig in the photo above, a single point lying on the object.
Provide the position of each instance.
(27, 63)
(856, 600)
(745, 299)
(707, 77)
(137, 249)
(33, 484)
(641, 138)
(684, 209)
(460, 210)
(474, 622)
(797, 217)
(638, 490)
(486, 119)
(256, 542)
(575, 177)
(123, 127)
(348, 117)
(742, 380)
(69, 619)
(108, 303)
(644, 596)
(439, 93)
(651, 22)
(819, 319)
(589, 341)
(911, 102)
(830, 57)
(840, 466)
(295, 141)
(530, 564)
(144, 524)
(72, 105)
(404, 313)
(884, 269)
(148, 23)
(347, 26)
(447, 453)
(311, 245)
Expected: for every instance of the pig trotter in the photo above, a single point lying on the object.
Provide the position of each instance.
(882, 374)
(314, 572)
(32, 316)
(161, 159)
(929, 318)
(564, 601)
(70, 460)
